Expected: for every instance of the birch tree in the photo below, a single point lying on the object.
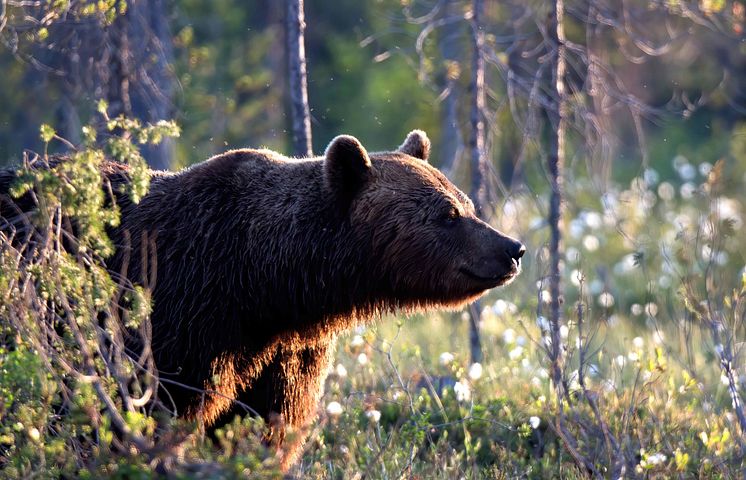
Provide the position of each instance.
(477, 151)
(300, 115)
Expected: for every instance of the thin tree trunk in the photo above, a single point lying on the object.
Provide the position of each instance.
(137, 86)
(451, 141)
(556, 161)
(152, 93)
(476, 145)
(299, 111)
(119, 72)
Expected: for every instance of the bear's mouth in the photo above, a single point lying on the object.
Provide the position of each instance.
(492, 281)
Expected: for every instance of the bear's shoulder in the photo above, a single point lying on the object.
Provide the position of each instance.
(243, 159)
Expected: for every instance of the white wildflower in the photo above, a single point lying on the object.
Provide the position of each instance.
(341, 371)
(546, 297)
(591, 243)
(445, 359)
(666, 191)
(500, 307)
(534, 422)
(515, 353)
(462, 391)
(687, 171)
(475, 371)
(654, 459)
(357, 341)
(638, 342)
(606, 300)
(576, 228)
(373, 415)
(687, 190)
(509, 336)
(334, 409)
(593, 220)
(362, 359)
(576, 277)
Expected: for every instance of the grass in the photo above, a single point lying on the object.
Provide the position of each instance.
(652, 331)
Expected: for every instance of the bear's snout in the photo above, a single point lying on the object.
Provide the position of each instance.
(507, 253)
(515, 250)
(495, 257)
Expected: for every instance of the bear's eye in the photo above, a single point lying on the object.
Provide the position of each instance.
(453, 214)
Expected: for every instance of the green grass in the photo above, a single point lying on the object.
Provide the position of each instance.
(652, 376)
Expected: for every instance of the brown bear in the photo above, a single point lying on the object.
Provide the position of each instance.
(262, 260)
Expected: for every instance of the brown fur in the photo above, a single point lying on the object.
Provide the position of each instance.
(262, 260)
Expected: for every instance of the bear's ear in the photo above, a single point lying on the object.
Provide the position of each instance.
(416, 145)
(346, 165)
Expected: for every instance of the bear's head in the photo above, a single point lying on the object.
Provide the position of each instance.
(427, 245)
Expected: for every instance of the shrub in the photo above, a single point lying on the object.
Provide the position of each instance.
(78, 383)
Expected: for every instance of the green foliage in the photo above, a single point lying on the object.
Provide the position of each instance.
(74, 402)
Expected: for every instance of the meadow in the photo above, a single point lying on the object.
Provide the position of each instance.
(652, 370)
(637, 106)
(649, 395)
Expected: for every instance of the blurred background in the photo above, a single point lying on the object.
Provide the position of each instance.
(652, 115)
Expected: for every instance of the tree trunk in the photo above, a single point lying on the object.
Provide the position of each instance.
(299, 111)
(153, 91)
(556, 116)
(139, 82)
(476, 146)
(451, 141)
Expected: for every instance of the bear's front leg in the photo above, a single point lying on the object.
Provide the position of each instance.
(288, 391)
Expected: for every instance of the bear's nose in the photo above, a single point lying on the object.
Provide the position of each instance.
(516, 251)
